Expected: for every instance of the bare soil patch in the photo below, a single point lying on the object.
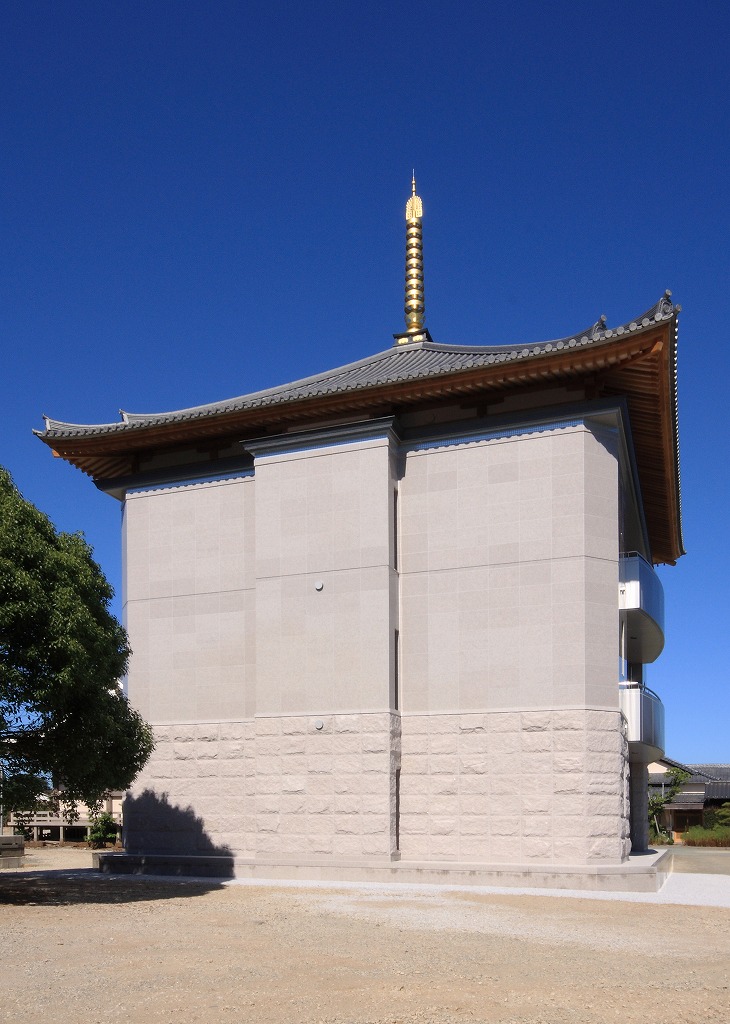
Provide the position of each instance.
(80, 947)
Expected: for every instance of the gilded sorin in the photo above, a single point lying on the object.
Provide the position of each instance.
(415, 308)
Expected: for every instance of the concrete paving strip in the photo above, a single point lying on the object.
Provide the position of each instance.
(692, 890)
(708, 885)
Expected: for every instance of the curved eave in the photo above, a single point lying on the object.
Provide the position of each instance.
(649, 385)
(639, 366)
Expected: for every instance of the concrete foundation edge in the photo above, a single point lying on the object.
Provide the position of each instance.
(645, 873)
(11, 862)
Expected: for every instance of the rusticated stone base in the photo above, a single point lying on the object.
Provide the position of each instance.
(541, 789)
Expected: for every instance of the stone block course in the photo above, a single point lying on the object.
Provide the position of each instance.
(234, 732)
(505, 827)
(345, 845)
(447, 764)
(604, 742)
(536, 849)
(472, 825)
(602, 721)
(347, 723)
(607, 849)
(564, 764)
(231, 748)
(375, 743)
(568, 742)
(472, 724)
(497, 787)
(294, 726)
(538, 742)
(268, 727)
(547, 782)
(502, 744)
(505, 721)
(295, 744)
(472, 803)
(348, 804)
(204, 749)
(294, 764)
(539, 825)
(541, 803)
(536, 721)
(605, 804)
(542, 764)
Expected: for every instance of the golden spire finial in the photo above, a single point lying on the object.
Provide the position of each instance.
(415, 308)
(414, 206)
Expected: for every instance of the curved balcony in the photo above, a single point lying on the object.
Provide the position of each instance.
(644, 714)
(641, 599)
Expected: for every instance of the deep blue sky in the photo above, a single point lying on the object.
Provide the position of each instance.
(203, 199)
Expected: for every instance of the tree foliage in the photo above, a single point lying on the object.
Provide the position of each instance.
(103, 830)
(62, 653)
(657, 801)
(722, 815)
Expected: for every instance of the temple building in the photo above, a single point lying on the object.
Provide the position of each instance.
(391, 621)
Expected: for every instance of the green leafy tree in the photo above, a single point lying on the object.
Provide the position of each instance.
(717, 817)
(63, 715)
(675, 778)
(723, 815)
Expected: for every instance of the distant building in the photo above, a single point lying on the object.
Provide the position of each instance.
(54, 824)
(392, 619)
(705, 789)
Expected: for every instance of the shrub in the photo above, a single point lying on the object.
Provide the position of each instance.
(722, 815)
(660, 838)
(103, 830)
(699, 836)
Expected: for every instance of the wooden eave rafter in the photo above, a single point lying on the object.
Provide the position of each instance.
(647, 384)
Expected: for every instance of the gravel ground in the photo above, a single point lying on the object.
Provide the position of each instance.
(77, 946)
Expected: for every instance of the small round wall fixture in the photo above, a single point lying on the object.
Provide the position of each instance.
(319, 585)
(319, 725)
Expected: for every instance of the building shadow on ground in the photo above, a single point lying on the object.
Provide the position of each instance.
(168, 855)
(87, 886)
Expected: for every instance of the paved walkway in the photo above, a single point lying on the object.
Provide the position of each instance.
(702, 860)
(701, 877)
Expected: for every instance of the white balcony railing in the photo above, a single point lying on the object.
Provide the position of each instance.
(644, 714)
(641, 601)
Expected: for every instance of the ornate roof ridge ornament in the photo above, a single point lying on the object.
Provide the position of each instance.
(415, 306)
(599, 327)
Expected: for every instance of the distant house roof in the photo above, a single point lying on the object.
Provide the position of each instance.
(698, 773)
(687, 802)
(721, 772)
(714, 780)
(717, 791)
(636, 361)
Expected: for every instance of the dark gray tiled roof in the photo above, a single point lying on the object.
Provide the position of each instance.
(687, 800)
(721, 772)
(400, 363)
(717, 791)
(697, 772)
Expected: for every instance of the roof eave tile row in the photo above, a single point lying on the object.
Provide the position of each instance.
(636, 360)
(396, 365)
